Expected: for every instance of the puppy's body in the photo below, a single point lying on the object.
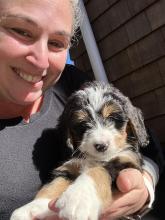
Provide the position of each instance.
(104, 131)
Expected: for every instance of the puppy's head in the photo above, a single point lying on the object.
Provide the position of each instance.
(96, 119)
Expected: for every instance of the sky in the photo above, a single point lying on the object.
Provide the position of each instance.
(69, 61)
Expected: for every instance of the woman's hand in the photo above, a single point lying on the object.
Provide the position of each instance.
(131, 197)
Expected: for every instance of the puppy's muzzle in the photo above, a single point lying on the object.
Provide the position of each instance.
(101, 147)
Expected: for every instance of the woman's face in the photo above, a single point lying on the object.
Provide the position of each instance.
(34, 37)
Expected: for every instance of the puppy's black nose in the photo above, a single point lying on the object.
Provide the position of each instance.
(101, 147)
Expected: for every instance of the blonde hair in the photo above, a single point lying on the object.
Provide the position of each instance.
(76, 15)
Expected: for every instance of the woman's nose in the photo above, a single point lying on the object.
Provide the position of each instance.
(38, 55)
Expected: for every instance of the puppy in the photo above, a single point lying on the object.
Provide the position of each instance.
(104, 131)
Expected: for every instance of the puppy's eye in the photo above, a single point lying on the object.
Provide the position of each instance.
(116, 117)
(84, 125)
(81, 127)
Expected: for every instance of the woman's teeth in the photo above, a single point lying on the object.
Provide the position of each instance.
(30, 78)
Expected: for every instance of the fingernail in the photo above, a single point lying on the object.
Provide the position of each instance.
(52, 206)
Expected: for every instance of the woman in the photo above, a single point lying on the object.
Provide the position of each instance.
(34, 38)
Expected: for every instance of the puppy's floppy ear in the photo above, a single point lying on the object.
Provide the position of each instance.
(66, 120)
(134, 115)
(69, 142)
(64, 124)
(136, 123)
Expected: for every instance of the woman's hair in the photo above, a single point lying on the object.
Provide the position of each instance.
(76, 15)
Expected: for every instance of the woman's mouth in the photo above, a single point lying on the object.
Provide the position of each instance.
(28, 77)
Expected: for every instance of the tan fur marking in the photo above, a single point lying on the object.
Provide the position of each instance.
(120, 140)
(72, 166)
(103, 184)
(132, 158)
(81, 115)
(54, 189)
(131, 131)
(107, 110)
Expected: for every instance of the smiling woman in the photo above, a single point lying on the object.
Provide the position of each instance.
(32, 54)
(34, 39)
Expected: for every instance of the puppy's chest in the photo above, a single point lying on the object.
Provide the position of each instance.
(112, 167)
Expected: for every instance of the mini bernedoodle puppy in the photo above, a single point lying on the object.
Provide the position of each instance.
(105, 132)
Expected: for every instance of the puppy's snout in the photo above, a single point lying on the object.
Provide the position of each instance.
(101, 147)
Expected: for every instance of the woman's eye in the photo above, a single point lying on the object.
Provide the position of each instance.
(21, 32)
(58, 45)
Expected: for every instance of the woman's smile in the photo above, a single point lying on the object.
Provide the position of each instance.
(31, 78)
(32, 53)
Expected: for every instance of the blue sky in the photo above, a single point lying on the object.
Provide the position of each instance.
(69, 61)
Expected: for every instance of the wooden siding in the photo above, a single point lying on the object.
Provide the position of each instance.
(130, 35)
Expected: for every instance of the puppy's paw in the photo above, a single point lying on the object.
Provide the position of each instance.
(35, 209)
(80, 201)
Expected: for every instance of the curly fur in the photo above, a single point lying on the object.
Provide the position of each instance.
(94, 125)
(133, 113)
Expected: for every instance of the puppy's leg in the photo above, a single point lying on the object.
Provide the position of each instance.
(103, 183)
(85, 198)
(38, 208)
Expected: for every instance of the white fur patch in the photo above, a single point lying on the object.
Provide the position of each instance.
(80, 201)
(95, 95)
(37, 208)
(101, 135)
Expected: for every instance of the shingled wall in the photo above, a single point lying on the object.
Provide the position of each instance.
(130, 35)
